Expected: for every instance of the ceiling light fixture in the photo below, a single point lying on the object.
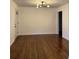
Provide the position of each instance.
(43, 4)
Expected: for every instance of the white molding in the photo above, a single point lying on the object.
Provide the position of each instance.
(11, 42)
(35, 33)
(66, 37)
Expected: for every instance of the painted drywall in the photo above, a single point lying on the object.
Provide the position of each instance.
(13, 8)
(65, 19)
(33, 20)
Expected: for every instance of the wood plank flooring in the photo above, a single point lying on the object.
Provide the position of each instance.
(39, 47)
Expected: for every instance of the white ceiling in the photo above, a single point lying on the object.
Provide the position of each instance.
(32, 3)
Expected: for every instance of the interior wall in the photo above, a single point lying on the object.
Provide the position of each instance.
(37, 21)
(13, 8)
(65, 20)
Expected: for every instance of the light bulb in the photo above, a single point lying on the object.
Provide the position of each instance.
(44, 3)
(40, 6)
(42, 0)
(37, 5)
(48, 6)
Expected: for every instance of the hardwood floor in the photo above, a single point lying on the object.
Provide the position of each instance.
(39, 47)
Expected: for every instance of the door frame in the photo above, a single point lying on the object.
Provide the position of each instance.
(60, 23)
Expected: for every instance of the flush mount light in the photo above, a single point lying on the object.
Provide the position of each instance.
(43, 4)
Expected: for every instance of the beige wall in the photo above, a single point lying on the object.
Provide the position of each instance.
(37, 21)
(13, 8)
(65, 21)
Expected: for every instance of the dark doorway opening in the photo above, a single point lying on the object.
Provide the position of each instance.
(60, 23)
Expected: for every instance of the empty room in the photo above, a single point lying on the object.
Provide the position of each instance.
(39, 29)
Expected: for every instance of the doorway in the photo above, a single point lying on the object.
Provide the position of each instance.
(60, 23)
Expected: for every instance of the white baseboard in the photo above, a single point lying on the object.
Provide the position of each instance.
(66, 37)
(12, 41)
(35, 33)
